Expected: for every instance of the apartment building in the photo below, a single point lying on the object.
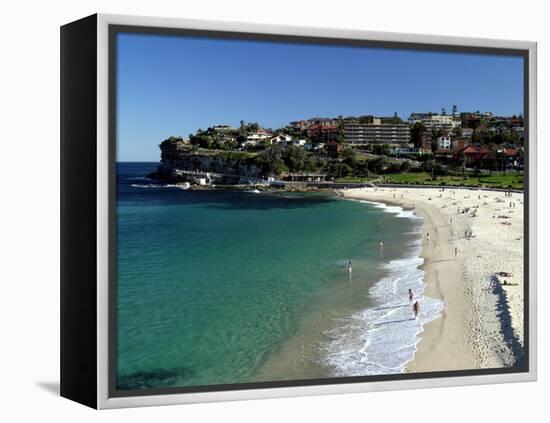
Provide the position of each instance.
(376, 133)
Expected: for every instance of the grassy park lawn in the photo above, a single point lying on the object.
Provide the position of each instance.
(423, 178)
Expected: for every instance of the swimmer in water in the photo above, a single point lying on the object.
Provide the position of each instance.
(380, 243)
(416, 309)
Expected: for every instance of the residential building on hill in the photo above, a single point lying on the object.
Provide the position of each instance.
(299, 125)
(376, 133)
(474, 154)
(323, 122)
(434, 121)
(444, 142)
(223, 128)
(319, 130)
(255, 137)
(280, 138)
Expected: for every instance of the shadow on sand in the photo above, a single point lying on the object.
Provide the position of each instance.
(503, 313)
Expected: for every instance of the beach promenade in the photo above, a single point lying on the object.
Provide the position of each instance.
(473, 261)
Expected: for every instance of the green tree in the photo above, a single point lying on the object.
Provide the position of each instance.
(381, 149)
(272, 161)
(457, 132)
(405, 166)
(378, 165)
(203, 141)
(296, 159)
(417, 130)
(365, 119)
(349, 156)
(393, 120)
(339, 170)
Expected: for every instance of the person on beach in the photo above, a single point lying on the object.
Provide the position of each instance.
(411, 295)
(416, 309)
(349, 266)
(428, 237)
(456, 252)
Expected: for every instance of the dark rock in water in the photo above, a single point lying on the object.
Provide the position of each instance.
(157, 378)
(155, 176)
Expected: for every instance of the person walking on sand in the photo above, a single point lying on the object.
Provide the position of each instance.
(428, 237)
(456, 252)
(411, 295)
(416, 309)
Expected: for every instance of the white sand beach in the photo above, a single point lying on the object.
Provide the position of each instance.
(482, 323)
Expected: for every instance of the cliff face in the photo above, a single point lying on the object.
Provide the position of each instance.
(178, 159)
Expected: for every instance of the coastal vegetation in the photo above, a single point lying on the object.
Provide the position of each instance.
(467, 149)
(349, 166)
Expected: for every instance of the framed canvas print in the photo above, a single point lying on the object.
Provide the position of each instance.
(254, 211)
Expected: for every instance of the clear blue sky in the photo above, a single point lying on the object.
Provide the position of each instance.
(172, 85)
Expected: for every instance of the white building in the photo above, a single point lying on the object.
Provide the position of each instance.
(434, 121)
(280, 138)
(444, 142)
(254, 138)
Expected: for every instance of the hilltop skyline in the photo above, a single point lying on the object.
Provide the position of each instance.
(173, 85)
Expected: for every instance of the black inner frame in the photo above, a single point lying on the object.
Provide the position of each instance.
(112, 96)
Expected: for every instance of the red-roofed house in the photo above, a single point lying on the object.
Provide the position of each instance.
(512, 152)
(474, 154)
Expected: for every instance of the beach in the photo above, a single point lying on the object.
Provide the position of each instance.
(280, 302)
(481, 324)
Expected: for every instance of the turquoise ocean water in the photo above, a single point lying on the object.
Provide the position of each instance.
(217, 287)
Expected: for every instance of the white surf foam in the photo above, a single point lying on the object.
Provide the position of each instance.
(156, 186)
(383, 338)
(397, 210)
